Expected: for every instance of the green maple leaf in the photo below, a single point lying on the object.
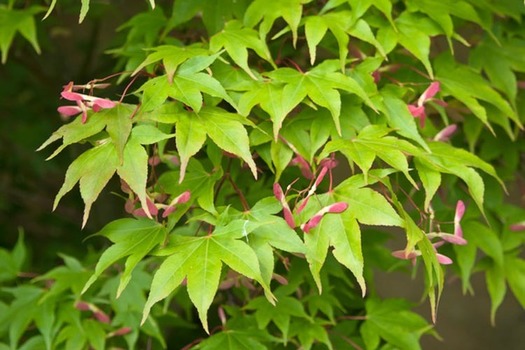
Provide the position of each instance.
(280, 314)
(468, 87)
(171, 57)
(186, 87)
(290, 10)
(290, 87)
(342, 231)
(271, 231)
(372, 142)
(227, 131)
(392, 320)
(441, 12)
(199, 260)
(236, 40)
(92, 169)
(445, 158)
(17, 21)
(133, 239)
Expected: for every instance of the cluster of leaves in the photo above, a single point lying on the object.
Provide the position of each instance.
(232, 99)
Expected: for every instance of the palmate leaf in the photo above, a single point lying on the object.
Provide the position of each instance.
(236, 40)
(17, 21)
(280, 314)
(468, 87)
(171, 57)
(134, 170)
(441, 12)
(187, 87)
(338, 23)
(290, 87)
(133, 239)
(271, 231)
(21, 311)
(231, 340)
(445, 158)
(372, 142)
(268, 12)
(413, 33)
(392, 320)
(117, 121)
(228, 133)
(199, 259)
(93, 169)
(342, 231)
(190, 137)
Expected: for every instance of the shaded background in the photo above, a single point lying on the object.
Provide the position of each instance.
(29, 95)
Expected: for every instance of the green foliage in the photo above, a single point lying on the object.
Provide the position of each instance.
(350, 106)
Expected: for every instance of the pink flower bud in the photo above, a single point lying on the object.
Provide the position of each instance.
(519, 226)
(129, 207)
(288, 217)
(170, 209)
(329, 163)
(416, 111)
(82, 306)
(460, 211)
(430, 92)
(101, 103)
(184, 197)
(122, 331)
(152, 207)
(338, 207)
(282, 280)
(101, 316)
(403, 254)
(322, 174)
(454, 239)
(278, 192)
(443, 260)
(446, 133)
(72, 96)
(154, 161)
(222, 315)
(303, 166)
(68, 111)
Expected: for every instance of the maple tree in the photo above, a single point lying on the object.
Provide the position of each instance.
(266, 152)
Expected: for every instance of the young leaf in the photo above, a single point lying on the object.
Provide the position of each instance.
(134, 170)
(190, 137)
(83, 10)
(268, 12)
(236, 40)
(392, 320)
(371, 143)
(13, 21)
(187, 88)
(133, 239)
(469, 87)
(118, 120)
(340, 231)
(146, 134)
(199, 260)
(171, 56)
(93, 169)
(368, 206)
(228, 133)
(281, 314)
(76, 131)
